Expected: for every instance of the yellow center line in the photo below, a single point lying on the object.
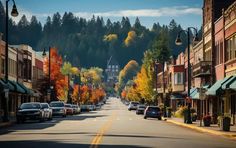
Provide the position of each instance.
(98, 138)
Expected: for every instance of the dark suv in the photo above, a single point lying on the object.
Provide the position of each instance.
(30, 111)
(152, 112)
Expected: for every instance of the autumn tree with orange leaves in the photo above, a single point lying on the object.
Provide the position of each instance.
(57, 78)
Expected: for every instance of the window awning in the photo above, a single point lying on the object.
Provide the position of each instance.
(227, 84)
(17, 87)
(2, 86)
(7, 85)
(217, 86)
(176, 96)
(233, 85)
(28, 91)
(193, 92)
(196, 95)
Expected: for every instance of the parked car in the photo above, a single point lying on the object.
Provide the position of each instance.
(140, 109)
(84, 108)
(58, 108)
(152, 112)
(30, 111)
(133, 105)
(47, 111)
(69, 109)
(92, 107)
(76, 109)
(98, 106)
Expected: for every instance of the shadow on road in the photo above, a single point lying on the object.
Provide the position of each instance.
(40, 144)
(140, 136)
(34, 125)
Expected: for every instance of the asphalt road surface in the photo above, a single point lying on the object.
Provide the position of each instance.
(113, 126)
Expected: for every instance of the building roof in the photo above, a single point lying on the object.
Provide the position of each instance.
(112, 61)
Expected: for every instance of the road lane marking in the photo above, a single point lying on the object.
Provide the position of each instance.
(98, 138)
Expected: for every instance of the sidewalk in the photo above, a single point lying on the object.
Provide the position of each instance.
(213, 129)
(6, 124)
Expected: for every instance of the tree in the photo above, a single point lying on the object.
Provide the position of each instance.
(127, 73)
(130, 38)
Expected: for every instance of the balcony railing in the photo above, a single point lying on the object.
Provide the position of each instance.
(201, 69)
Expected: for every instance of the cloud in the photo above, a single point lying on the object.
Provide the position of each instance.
(165, 11)
(161, 12)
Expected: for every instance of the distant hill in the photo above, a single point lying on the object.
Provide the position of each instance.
(90, 42)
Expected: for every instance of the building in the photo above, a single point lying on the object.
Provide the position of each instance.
(21, 63)
(112, 71)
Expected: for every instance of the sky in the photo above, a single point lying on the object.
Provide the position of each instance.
(185, 12)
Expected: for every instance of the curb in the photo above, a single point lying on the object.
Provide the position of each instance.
(200, 129)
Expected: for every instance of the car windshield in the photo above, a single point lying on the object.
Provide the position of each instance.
(153, 109)
(67, 105)
(135, 103)
(30, 106)
(141, 106)
(44, 106)
(56, 104)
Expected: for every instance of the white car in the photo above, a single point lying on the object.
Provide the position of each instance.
(76, 109)
(47, 111)
(133, 105)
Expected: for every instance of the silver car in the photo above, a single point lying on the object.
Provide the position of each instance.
(133, 105)
(58, 108)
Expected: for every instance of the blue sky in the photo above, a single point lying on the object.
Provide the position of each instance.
(185, 12)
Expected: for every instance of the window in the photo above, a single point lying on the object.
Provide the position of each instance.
(231, 48)
(109, 66)
(178, 78)
(2, 65)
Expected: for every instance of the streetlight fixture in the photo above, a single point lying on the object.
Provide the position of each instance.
(44, 54)
(178, 41)
(14, 13)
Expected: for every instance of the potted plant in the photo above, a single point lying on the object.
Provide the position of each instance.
(224, 122)
(193, 114)
(185, 113)
(194, 117)
(207, 120)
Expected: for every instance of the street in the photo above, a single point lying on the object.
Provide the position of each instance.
(112, 126)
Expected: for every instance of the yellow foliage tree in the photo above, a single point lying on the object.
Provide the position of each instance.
(130, 38)
(144, 84)
(110, 37)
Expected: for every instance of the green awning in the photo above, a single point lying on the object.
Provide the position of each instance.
(217, 86)
(196, 95)
(7, 85)
(17, 87)
(2, 85)
(176, 96)
(233, 85)
(229, 82)
(28, 91)
(193, 92)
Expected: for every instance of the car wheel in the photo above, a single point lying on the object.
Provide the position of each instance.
(159, 118)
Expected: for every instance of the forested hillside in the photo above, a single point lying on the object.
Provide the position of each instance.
(90, 42)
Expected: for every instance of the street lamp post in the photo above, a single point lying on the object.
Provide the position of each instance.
(49, 70)
(14, 13)
(178, 41)
(156, 72)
